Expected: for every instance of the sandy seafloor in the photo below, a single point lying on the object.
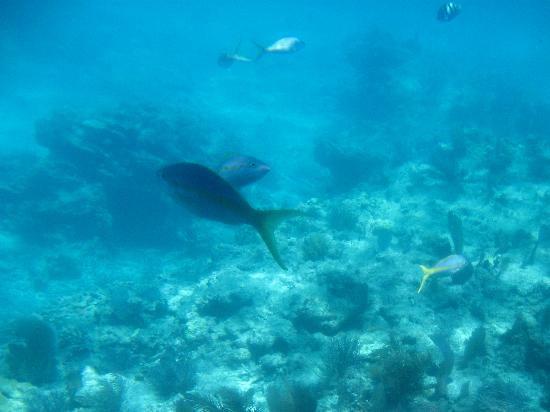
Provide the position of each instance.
(116, 299)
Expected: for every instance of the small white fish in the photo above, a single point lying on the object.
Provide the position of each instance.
(286, 45)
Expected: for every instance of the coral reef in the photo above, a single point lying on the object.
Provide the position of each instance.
(399, 374)
(141, 306)
(316, 247)
(224, 306)
(291, 397)
(384, 237)
(498, 395)
(135, 306)
(101, 393)
(454, 224)
(95, 161)
(62, 267)
(32, 356)
(172, 372)
(343, 218)
(53, 400)
(475, 347)
(225, 399)
(437, 246)
(348, 165)
(341, 354)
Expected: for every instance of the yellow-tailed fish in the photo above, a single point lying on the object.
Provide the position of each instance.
(449, 265)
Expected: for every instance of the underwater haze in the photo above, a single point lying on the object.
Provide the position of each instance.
(285, 206)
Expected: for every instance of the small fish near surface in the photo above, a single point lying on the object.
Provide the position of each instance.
(448, 11)
(286, 45)
(241, 171)
(451, 265)
(204, 193)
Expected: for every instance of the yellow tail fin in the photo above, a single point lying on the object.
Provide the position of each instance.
(427, 272)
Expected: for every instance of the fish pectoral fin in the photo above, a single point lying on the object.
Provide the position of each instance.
(267, 222)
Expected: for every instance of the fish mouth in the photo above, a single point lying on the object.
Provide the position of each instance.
(264, 168)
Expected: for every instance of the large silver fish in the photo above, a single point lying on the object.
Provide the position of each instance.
(205, 194)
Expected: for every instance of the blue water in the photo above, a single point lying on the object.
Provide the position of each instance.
(117, 298)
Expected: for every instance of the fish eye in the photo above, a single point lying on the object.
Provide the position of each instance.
(252, 165)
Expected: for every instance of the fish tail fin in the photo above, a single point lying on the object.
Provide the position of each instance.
(261, 50)
(426, 273)
(267, 222)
